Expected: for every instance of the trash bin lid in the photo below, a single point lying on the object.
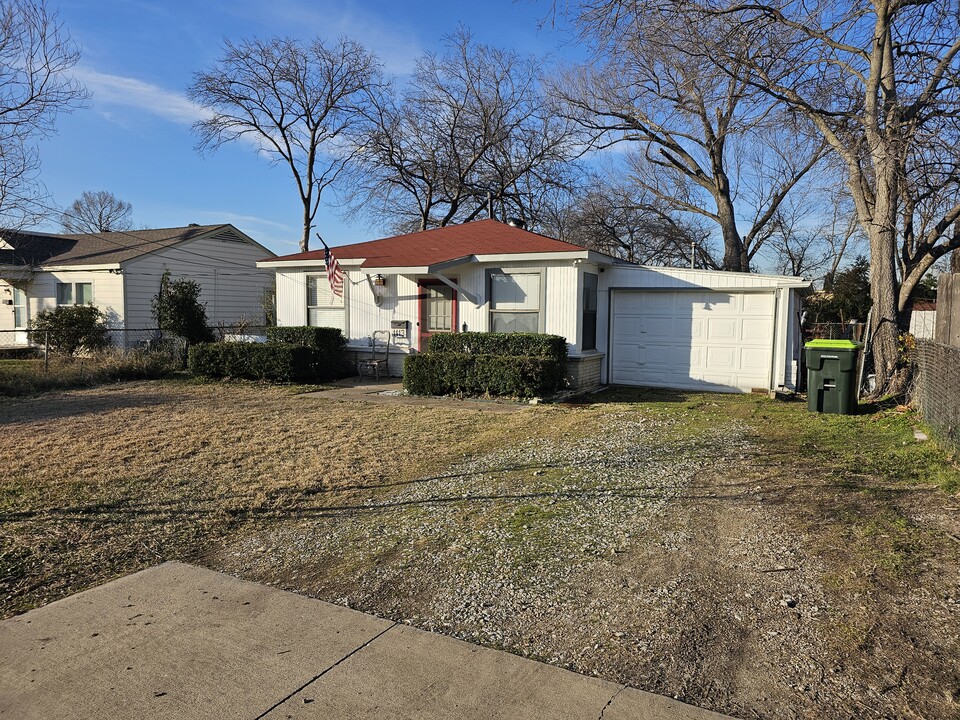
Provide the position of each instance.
(834, 344)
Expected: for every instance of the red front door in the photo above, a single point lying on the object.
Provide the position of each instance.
(438, 310)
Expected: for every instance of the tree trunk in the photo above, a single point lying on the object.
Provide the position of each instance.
(884, 286)
(305, 238)
(734, 254)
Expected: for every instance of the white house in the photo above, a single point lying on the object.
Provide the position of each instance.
(624, 323)
(923, 320)
(120, 272)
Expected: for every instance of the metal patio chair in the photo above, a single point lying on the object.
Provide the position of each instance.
(379, 359)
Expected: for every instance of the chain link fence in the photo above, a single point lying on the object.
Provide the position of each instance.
(29, 343)
(834, 331)
(937, 388)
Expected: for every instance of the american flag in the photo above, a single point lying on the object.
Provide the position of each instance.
(334, 272)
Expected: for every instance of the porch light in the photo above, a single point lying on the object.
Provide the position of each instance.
(378, 283)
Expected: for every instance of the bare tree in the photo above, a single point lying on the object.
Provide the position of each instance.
(470, 122)
(301, 104)
(814, 230)
(880, 81)
(627, 222)
(710, 143)
(94, 212)
(35, 54)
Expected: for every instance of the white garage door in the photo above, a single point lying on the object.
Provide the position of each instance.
(694, 340)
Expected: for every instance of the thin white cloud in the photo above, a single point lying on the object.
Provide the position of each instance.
(397, 46)
(116, 91)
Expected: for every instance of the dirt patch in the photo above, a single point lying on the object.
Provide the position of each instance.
(734, 552)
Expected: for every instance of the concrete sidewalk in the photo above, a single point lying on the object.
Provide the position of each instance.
(176, 641)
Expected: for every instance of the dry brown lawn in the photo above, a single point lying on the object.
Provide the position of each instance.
(735, 552)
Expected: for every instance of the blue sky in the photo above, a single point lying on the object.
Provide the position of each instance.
(134, 138)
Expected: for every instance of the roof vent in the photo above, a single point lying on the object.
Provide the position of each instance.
(517, 223)
(193, 225)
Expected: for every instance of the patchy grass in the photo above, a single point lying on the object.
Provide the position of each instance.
(644, 536)
(33, 376)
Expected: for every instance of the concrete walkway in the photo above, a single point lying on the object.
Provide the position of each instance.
(177, 641)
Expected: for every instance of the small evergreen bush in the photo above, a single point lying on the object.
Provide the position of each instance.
(447, 373)
(254, 361)
(71, 329)
(480, 343)
(178, 310)
(328, 345)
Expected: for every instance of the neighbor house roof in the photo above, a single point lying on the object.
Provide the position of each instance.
(441, 245)
(33, 249)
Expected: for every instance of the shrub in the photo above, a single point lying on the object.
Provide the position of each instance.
(328, 345)
(72, 328)
(449, 373)
(254, 361)
(479, 343)
(177, 309)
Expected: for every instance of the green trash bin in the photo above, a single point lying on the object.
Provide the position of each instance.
(832, 376)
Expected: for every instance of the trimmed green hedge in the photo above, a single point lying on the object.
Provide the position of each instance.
(480, 343)
(254, 361)
(432, 373)
(328, 345)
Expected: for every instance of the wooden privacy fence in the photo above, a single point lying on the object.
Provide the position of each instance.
(948, 309)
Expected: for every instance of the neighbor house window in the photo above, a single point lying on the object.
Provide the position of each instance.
(590, 283)
(74, 293)
(515, 302)
(19, 308)
(324, 309)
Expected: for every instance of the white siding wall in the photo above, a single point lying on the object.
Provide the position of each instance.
(923, 323)
(6, 313)
(560, 313)
(107, 292)
(231, 284)
(292, 297)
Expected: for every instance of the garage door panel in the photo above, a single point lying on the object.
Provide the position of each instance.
(723, 329)
(664, 327)
(692, 340)
(722, 358)
(629, 330)
(754, 360)
(759, 303)
(653, 303)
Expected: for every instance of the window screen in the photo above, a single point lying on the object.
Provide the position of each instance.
(515, 302)
(324, 309)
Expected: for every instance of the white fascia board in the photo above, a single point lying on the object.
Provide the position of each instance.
(412, 270)
(527, 257)
(601, 259)
(441, 266)
(319, 264)
(79, 268)
(774, 280)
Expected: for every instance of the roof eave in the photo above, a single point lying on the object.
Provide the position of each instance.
(79, 266)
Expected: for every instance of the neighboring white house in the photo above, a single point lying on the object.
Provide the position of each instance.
(923, 319)
(624, 323)
(119, 272)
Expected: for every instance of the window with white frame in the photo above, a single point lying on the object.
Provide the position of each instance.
(324, 309)
(19, 308)
(74, 293)
(515, 301)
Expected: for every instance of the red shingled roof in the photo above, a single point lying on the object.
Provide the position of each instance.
(429, 247)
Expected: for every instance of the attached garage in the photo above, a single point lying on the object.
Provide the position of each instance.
(696, 330)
